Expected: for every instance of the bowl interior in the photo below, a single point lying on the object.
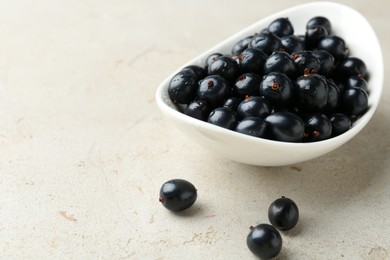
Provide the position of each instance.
(362, 43)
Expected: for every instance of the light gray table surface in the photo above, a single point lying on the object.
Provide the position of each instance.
(84, 148)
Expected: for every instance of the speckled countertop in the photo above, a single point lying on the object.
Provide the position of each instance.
(84, 148)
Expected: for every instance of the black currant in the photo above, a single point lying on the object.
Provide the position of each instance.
(177, 194)
(281, 27)
(354, 101)
(267, 42)
(214, 90)
(292, 43)
(317, 128)
(232, 103)
(199, 71)
(334, 95)
(356, 82)
(283, 213)
(223, 117)
(241, 45)
(212, 57)
(247, 85)
(340, 123)
(312, 93)
(306, 62)
(264, 241)
(254, 126)
(280, 61)
(314, 35)
(226, 67)
(277, 88)
(321, 21)
(182, 87)
(352, 66)
(285, 126)
(251, 60)
(198, 109)
(253, 106)
(335, 46)
(326, 62)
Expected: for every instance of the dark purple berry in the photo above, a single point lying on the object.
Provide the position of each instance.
(326, 62)
(281, 27)
(292, 43)
(306, 62)
(254, 126)
(317, 128)
(340, 123)
(283, 213)
(223, 117)
(352, 66)
(251, 60)
(267, 42)
(354, 101)
(280, 61)
(198, 109)
(247, 85)
(177, 195)
(314, 35)
(182, 87)
(253, 106)
(285, 126)
(264, 241)
(321, 21)
(277, 88)
(214, 90)
(335, 46)
(241, 45)
(312, 93)
(225, 67)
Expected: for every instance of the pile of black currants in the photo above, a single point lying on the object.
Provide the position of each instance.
(278, 85)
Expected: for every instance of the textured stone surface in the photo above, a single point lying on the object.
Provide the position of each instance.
(84, 149)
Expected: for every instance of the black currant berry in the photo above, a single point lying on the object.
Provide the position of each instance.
(326, 62)
(253, 106)
(232, 103)
(264, 241)
(283, 213)
(247, 85)
(356, 82)
(354, 101)
(334, 95)
(254, 126)
(267, 42)
(312, 93)
(212, 57)
(198, 109)
(241, 45)
(306, 62)
(251, 60)
(223, 117)
(292, 43)
(335, 46)
(225, 67)
(281, 27)
(182, 87)
(277, 88)
(198, 70)
(352, 66)
(317, 128)
(314, 35)
(280, 61)
(321, 21)
(177, 195)
(285, 126)
(340, 123)
(214, 90)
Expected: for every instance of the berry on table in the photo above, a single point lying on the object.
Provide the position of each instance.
(264, 241)
(283, 213)
(177, 194)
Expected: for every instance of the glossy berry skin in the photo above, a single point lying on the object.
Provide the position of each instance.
(264, 241)
(241, 45)
(306, 62)
(285, 126)
(281, 27)
(252, 60)
(317, 128)
(247, 85)
(280, 61)
(214, 90)
(267, 42)
(182, 87)
(225, 67)
(321, 21)
(254, 126)
(223, 117)
(314, 35)
(335, 46)
(356, 82)
(232, 103)
(198, 109)
(326, 62)
(340, 123)
(277, 88)
(199, 71)
(292, 43)
(177, 195)
(352, 66)
(354, 101)
(334, 96)
(212, 57)
(283, 213)
(253, 106)
(312, 93)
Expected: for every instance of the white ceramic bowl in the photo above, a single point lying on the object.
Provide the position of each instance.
(361, 41)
